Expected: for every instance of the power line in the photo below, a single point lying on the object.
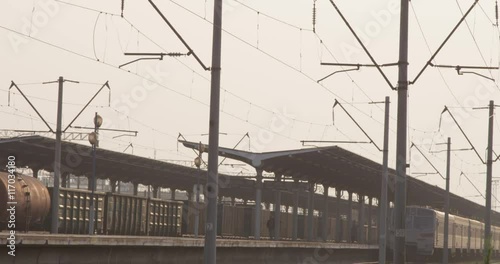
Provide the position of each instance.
(430, 53)
(474, 39)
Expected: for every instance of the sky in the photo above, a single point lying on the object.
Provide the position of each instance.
(270, 70)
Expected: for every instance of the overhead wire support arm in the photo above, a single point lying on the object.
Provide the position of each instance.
(473, 185)
(109, 129)
(191, 52)
(106, 84)
(425, 157)
(139, 59)
(339, 71)
(461, 130)
(160, 56)
(29, 102)
(458, 68)
(429, 62)
(235, 146)
(357, 65)
(363, 45)
(355, 122)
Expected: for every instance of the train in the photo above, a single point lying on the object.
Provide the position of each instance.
(115, 214)
(425, 234)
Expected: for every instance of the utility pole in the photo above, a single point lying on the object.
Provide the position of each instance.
(489, 169)
(57, 161)
(383, 197)
(400, 192)
(59, 131)
(447, 203)
(213, 140)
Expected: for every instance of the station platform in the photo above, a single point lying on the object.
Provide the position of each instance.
(62, 248)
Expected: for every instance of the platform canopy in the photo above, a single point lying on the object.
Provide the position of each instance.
(37, 152)
(337, 167)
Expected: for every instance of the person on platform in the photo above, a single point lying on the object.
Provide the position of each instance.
(270, 226)
(354, 232)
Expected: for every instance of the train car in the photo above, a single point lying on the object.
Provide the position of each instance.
(421, 235)
(32, 201)
(425, 234)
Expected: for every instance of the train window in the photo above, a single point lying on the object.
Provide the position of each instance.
(425, 212)
(420, 222)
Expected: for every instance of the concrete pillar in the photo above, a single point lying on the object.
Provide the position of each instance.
(172, 193)
(233, 201)
(64, 180)
(119, 189)
(245, 202)
(112, 184)
(310, 212)
(258, 201)
(295, 213)
(349, 217)
(361, 219)
(89, 183)
(338, 220)
(325, 214)
(78, 179)
(155, 191)
(369, 220)
(136, 188)
(277, 210)
(35, 172)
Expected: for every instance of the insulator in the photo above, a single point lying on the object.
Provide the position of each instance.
(496, 12)
(314, 16)
(176, 54)
(123, 6)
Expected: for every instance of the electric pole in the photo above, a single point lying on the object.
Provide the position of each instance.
(57, 162)
(59, 131)
(213, 140)
(383, 197)
(489, 167)
(402, 87)
(447, 203)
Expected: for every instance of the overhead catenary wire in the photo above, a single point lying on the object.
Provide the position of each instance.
(474, 39)
(309, 123)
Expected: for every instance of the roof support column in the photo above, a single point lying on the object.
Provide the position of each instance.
(136, 188)
(258, 201)
(172, 193)
(64, 180)
(119, 188)
(155, 191)
(89, 182)
(112, 184)
(35, 172)
(325, 214)
(277, 210)
(369, 221)
(338, 220)
(361, 219)
(78, 178)
(295, 217)
(310, 212)
(349, 217)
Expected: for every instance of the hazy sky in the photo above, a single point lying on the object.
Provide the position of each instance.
(269, 74)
